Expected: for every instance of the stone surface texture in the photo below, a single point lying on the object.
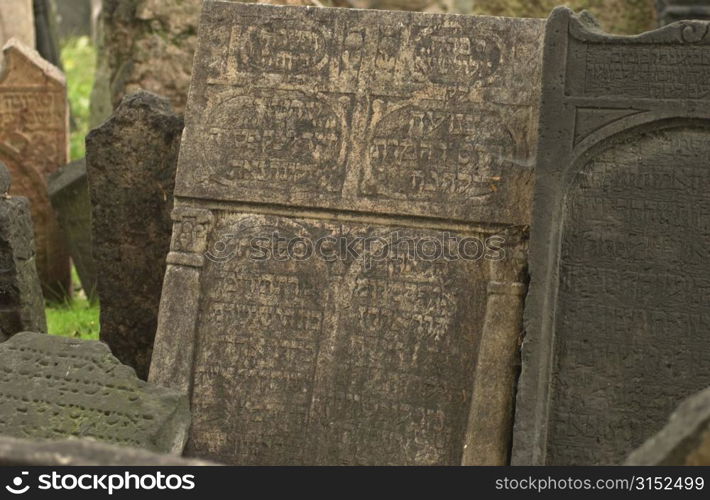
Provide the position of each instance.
(69, 193)
(21, 301)
(131, 160)
(616, 319)
(340, 127)
(55, 388)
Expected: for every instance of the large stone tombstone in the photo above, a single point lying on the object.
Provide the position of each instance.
(33, 144)
(131, 160)
(69, 193)
(21, 301)
(617, 320)
(347, 266)
(55, 388)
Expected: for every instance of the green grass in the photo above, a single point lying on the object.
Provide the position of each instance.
(79, 59)
(78, 319)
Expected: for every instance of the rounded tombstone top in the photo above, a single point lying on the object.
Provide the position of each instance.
(5, 180)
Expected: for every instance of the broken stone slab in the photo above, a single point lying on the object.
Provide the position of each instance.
(54, 388)
(685, 440)
(84, 452)
(33, 145)
(341, 126)
(131, 160)
(69, 192)
(616, 318)
(21, 301)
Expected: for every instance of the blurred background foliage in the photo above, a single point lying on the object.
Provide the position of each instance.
(79, 60)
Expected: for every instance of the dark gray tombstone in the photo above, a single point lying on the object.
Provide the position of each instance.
(69, 193)
(21, 301)
(84, 452)
(55, 388)
(338, 128)
(685, 440)
(131, 160)
(670, 11)
(617, 319)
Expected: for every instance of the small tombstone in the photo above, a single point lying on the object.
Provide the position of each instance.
(332, 128)
(34, 144)
(670, 11)
(56, 388)
(685, 440)
(131, 160)
(84, 452)
(21, 301)
(617, 318)
(69, 192)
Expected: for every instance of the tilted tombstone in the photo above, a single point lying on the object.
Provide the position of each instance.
(84, 452)
(616, 316)
(33, 144)
(370, 142)
(69, 193)
(670, 11)
(131, 160)
(56, 388)
(21, 301)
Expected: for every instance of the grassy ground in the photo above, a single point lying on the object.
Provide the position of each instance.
(78, 317)
(79, 59)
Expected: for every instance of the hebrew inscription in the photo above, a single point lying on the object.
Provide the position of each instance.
(617, 315)
(349, 231)
(417, 115)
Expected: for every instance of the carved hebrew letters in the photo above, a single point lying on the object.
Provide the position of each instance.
(617, 307)
(350, 183)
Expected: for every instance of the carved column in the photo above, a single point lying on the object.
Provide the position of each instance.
(175, 338)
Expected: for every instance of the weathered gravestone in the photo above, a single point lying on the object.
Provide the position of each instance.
(17, 21)
(685, 440)
(84, 452)
(670, 11)
(617, 319)
(131, 161)
(393, 149)
(69, 192)
(21, 301)
(33, 144)
(56, 388)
